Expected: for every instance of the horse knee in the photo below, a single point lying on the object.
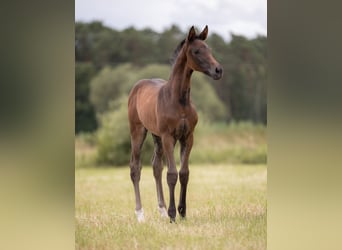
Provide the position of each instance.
(184, 177)
(135, 174)
(172, 179)
(157, 171)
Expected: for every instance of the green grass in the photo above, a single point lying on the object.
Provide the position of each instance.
(226, 209)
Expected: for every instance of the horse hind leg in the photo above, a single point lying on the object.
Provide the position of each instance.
(157, 163)
(138, 135)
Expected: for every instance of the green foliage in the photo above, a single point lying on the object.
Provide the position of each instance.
(243, 86)
(205, 98)
(109, 85)
(153, 71)
(98, 44)
(113, 139)
(84, 111)
(167, 43)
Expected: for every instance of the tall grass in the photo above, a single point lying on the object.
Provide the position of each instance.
(236, 143)
(226, 210)
(242, 142)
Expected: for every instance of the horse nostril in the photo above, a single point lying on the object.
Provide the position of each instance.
(218, 70)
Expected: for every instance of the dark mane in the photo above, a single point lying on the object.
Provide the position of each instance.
(176, 52)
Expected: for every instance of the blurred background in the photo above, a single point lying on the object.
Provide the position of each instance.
(116, 45)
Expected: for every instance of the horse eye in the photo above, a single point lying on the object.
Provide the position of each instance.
(197, 51)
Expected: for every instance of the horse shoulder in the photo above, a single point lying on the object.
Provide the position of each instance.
(191, 116)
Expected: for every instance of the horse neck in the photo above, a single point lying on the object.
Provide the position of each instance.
(179, 82)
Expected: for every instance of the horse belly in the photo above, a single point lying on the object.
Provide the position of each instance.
(146, 109)
(149, 121)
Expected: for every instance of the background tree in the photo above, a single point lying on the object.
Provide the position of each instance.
(120, 58)
(110, 84)
(167, 42)
(85, 119)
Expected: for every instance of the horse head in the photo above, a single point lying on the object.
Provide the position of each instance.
(199, 56)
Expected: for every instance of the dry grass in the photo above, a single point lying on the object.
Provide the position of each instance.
(226, 210)
(85, 153)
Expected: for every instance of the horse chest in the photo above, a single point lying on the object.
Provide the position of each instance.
(182, 128)
(179, 124)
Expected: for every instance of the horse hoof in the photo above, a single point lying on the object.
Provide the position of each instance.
(173, 220)
(182, 212)
(163, 212)
(140, 215)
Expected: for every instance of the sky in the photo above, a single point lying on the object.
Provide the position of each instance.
(241, 17)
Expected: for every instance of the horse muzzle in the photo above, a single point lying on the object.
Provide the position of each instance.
(217, 72)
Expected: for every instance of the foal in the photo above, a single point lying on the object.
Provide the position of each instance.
(165, 109)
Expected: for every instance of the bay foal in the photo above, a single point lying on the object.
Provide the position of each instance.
(165, 109)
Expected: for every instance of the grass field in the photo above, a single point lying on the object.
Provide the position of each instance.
(226, 209)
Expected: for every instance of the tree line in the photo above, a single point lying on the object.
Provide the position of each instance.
(109, 61)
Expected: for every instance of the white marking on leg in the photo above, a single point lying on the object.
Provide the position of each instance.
(140, 215)
(163, 212)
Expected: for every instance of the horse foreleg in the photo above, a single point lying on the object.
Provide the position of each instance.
(172, 175)
(185, 148)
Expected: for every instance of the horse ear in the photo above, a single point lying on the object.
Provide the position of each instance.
(204, 33)
(192, 34)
